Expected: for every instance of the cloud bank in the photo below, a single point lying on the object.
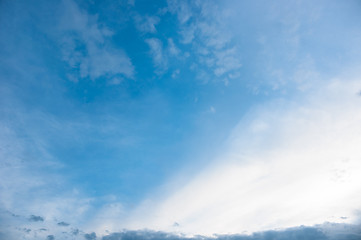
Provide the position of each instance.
(320, 232)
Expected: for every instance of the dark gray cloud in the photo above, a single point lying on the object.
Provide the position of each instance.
(75, 231)
(325, 231)
(34, 218)
(303, 233)
(63, 224)
(50, 237)
(90, 236)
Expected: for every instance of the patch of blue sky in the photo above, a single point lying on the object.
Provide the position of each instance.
(90, 106)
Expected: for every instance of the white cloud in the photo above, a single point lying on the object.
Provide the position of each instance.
(226, 62)
(181, 8)
(208, 35)
(288, 164)
(161, 55)
(146, 24)
(86, 47)
(175, 73)
(187, 33)
(172, 48)
(156, 50)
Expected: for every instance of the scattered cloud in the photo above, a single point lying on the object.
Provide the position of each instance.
(300, 153)
(208, 36)
(227, 61)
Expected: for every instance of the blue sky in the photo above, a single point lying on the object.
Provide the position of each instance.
(190, 117)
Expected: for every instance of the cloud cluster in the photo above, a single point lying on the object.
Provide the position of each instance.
(202, 25)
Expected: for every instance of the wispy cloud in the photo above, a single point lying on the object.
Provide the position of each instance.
(86, 47)
(162, 55)
(160, 59)
(208, 36)
(146, 24)
(172, 48)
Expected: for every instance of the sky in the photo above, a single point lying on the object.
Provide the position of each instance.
(202, 119)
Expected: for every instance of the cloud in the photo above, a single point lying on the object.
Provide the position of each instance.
(208, 35)
(227, 62)
(34, 218)
(187, 33)
(160, 59)
(175, 73)
(86, 47)
(181, 8)
(287, 163)
(63, 224)
(146, 24)
(319, 232)
(162, 55)
(172, 48)
(50, 237)
(90, 236)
